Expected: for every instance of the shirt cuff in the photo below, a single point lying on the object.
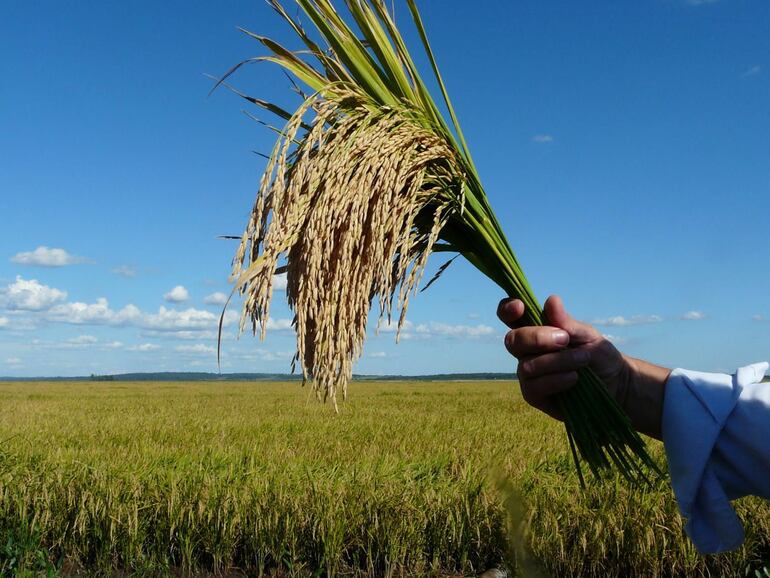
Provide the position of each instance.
(695, 410)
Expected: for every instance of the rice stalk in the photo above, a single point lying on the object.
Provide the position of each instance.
(365, 181)
(346, 207)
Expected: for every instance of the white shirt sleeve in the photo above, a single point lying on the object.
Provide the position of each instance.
(716, 431)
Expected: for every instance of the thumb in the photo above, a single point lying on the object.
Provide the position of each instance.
(557, 316)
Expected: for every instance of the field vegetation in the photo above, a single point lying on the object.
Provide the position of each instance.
(258, 479)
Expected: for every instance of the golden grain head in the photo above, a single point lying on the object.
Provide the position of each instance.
(354, 205)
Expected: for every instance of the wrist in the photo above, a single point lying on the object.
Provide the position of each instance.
(642, 399)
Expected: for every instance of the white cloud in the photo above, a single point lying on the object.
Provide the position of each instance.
(144, 347)
(473, 316)
(217, 298)
(753, 71)
(197, 349)
(3, 322)
(378, 354)
(177, 295)
(542, 138)
(47, 257)
(258, 355)
(29, 295)
(693, 316)
(616, 339)
(80, 342)
(620, 321)
(437, 329)
(392, 326)
(98, 313)
(124, 271)
(183, 320)
(182, 323)
(183, 334)
(13, 361)
(758, 317)
(461, 331)
(278, 324)
(83, 340)
(279, 282)
(20, 320)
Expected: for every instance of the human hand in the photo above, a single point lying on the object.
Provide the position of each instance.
(550, 356)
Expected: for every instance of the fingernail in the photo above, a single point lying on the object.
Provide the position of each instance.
(560, 337)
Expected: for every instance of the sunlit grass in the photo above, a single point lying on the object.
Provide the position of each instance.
(161, 477)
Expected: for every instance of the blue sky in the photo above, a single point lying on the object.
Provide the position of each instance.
(624, 145)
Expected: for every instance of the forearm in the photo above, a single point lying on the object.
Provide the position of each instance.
(642, 398)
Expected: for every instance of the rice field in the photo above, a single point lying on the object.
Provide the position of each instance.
(258, 479)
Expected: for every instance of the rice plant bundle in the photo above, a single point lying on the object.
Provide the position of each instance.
(365, 181)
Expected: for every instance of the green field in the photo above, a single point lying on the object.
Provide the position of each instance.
(411, 479)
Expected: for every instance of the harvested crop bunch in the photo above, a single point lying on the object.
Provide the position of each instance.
(365, 181)
(357, 208)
